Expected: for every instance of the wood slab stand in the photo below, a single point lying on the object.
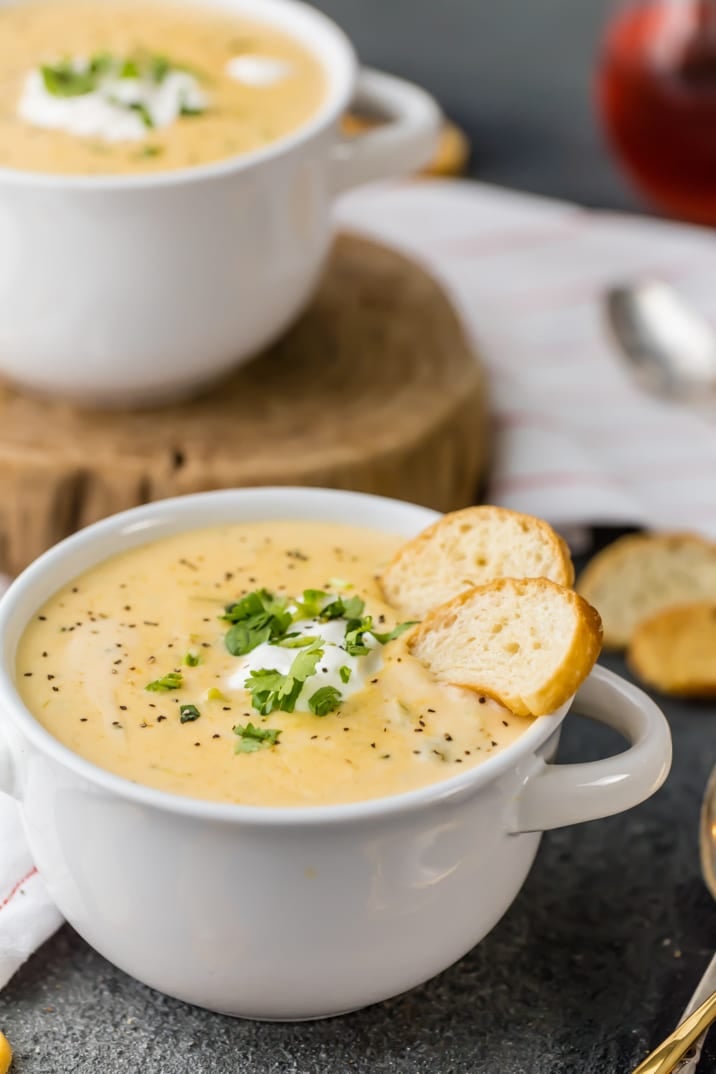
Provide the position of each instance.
(375, 388)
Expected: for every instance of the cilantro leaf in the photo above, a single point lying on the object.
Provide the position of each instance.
(63, 80)
(345, 673)
(395, 632)
(251, 738)
(354, 608)
(129, 69)
(297, 641)
(251, 604)
(159, 68)
(173, 680)
(310, 603)
(356, 629)
(258, 617)
(325, 700)
(270, 690)
(343, 609)
(304, 664)
(188, 713)
(242, 638)
(143, 112)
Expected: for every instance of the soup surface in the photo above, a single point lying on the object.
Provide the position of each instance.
(170, 665)
(119, 86)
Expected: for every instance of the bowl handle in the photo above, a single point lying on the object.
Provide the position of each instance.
(403, 144)
(554, 795)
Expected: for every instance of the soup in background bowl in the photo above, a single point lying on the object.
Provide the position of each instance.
(280, 912)
(122, 87)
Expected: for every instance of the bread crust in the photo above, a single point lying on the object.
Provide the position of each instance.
(674, 650)
(396, 578)
(600, 582)
(559, 683)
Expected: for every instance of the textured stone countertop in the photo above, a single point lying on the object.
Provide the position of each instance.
(591, 966)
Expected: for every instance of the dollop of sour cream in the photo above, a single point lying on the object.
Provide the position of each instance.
(255, 70)
(117, 109)
(331, 637)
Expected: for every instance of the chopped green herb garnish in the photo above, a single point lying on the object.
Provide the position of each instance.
(297, 641)
(101, 63)
(345, 673)
(159, 68)
(149, 151)
(188, 713)
(128, 69)
(395, 632)
(63, 80)
(356, 629)
(325, 700)
(172, 681)
(191, 660)
(258, 617)
(304, 664)
(143, 112)
(253, 738)
(243, 637)
(339, 608)
(270, 690)
(310, 603)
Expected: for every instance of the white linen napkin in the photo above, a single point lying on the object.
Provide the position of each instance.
(577, 442)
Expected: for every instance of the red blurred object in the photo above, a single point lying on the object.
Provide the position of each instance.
(657, 95)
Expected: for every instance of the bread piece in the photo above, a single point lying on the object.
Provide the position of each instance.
(528, 643)
(469, 548)
(452, 153)
(675, 650)
(641, 574)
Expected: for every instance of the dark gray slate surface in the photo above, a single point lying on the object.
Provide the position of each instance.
(592, 965)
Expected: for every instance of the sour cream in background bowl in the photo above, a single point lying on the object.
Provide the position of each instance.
(139, 289)
(295, 913)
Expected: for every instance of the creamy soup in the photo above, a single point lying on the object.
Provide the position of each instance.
(253, 663)
(115, 86)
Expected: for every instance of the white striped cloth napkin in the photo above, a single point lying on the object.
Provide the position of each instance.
(577, 442)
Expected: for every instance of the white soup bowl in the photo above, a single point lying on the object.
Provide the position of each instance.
(280, 913)
(140, 289)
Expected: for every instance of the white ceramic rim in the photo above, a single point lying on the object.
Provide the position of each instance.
(13, 707)
(340, 72)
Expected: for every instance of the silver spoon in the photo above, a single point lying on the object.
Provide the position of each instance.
(659, 1060)
(669, 346)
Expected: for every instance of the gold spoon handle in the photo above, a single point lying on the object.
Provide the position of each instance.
(667, 1055)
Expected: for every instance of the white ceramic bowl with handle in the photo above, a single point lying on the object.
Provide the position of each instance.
(134, 290)
(295, 913)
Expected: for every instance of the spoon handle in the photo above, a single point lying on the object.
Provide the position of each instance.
(703, 989)
(668, 1054)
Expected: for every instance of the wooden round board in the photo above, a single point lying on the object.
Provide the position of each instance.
(375, 388)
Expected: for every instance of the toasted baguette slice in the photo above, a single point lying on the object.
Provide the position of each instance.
(639, 575)
(675, 650)
(528, 643)
(469, 548)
